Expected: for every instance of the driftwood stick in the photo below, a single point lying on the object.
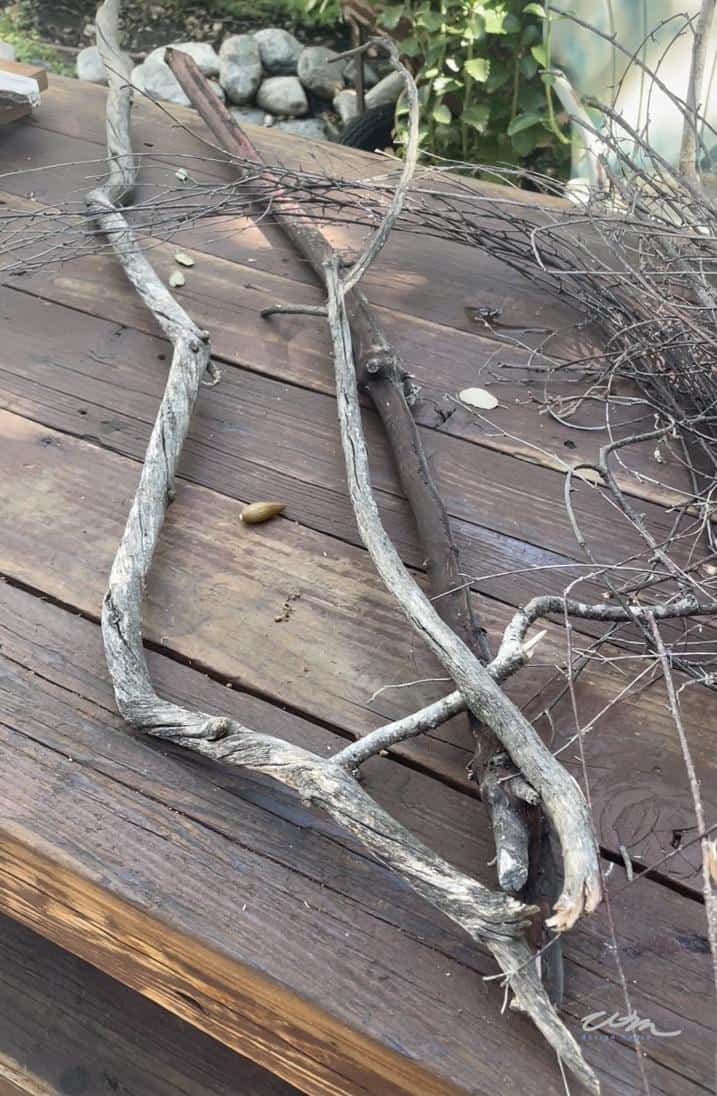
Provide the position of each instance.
(520, 972)
(689, 144)
(558, 790)
(320, 782)
(382, 374)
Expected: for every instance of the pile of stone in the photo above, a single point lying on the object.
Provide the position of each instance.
(268, 78)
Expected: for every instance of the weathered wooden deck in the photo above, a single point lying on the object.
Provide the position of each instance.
(220, 897)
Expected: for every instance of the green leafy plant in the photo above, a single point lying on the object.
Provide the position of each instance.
(316, 13)
(29, 48)
(484, 90)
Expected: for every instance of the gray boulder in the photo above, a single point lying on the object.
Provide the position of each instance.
(7, 52)
(252, 115)
(346, 105)
(312, 128)
(279, 51)
(240, 69)
(282, 95)
(370, 76)
(317, 74)
(204, 55)
(90, 66)
(157, 81)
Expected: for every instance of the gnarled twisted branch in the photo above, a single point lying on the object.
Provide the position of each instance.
(494, 918)
(318, 780)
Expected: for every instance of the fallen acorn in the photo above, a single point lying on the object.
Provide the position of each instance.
(256, 512)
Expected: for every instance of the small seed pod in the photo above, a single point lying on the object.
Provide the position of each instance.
(256, 512)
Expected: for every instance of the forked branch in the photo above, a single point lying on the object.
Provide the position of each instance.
(494, 918)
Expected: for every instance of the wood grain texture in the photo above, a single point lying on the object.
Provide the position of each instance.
(279, 440)
(154, 814)
(404, 279)
(66, 1029)
(180, 878)
(234, 624)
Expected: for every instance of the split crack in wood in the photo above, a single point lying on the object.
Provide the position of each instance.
(496, 919)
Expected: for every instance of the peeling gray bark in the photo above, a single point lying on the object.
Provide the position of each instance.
(559, 792)
(494, 918)
(381, 374)
(321, 782)
(482, 695)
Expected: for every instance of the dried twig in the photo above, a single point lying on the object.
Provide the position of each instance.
(319, 781)
(382, 375)
(708, 882)
(688, 148)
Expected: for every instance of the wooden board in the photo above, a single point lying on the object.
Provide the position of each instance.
(106, 837)
(68, 1030)
(33, 72)
(345, 639)
(10, 112)
(107, 840)
(405, 278)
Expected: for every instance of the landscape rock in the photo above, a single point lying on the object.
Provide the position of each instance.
(370, 76)
(386, 90)
(279, 51)
(217, 89)
(252, 115)
(317, 74)
(90, 66)
(313, 128)
(240, 68)
(346, 105)
(7, 52)
(202, 53)
(283, 95)
(154, 78)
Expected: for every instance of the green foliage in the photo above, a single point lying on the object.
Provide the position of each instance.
(484, 92)
(30, 49)
(315, 13)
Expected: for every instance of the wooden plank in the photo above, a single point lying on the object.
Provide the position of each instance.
(31, 72)
(405, 278)
(228, 299)
(67, 1028)
(216, 597)
(105, 384)
(107, 836)
(503, 514)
